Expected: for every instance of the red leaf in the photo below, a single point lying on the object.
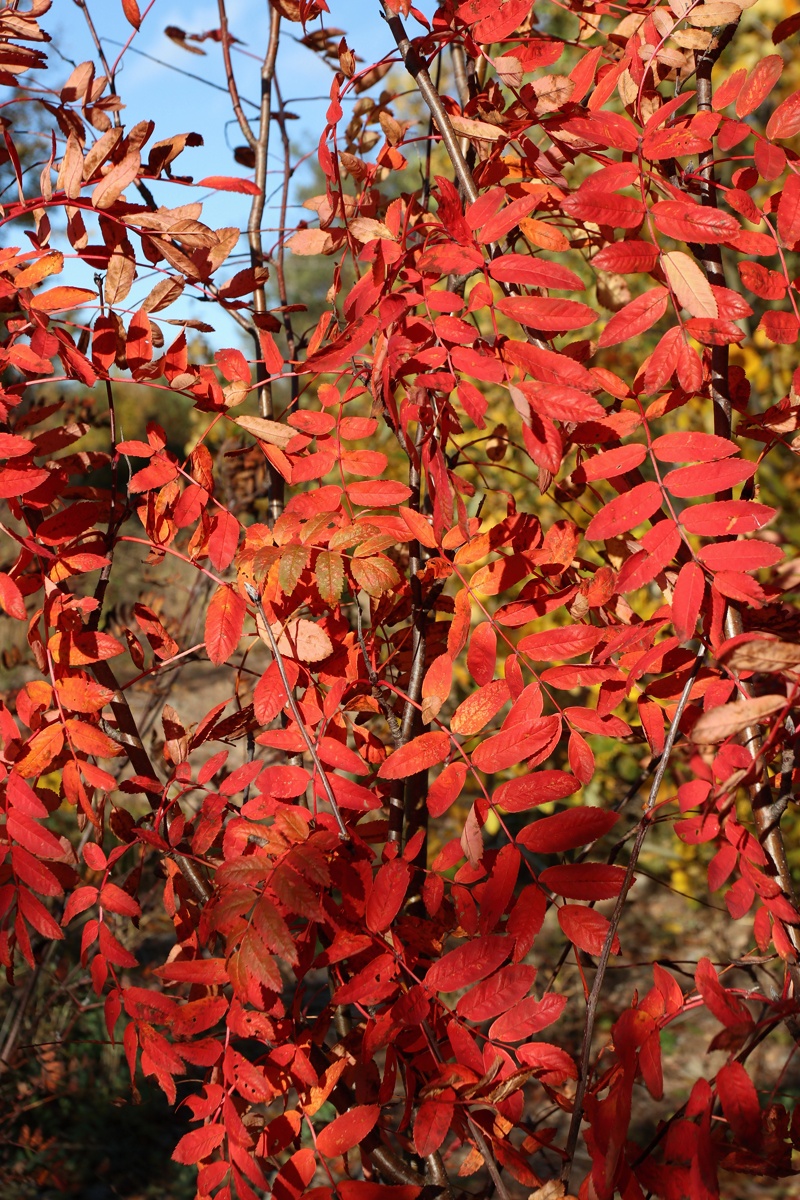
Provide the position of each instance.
(727, 1008)
(566, 830)
(611, 463)
(692, 447)
(468, 963)
(493, 20)
(417, 755)
(198, 1144)
(688, 222)
(13, 446)
(379, 493)
(528, 1017)
(347, 1130)
(741, 555)
(233, 365)
(581, 759)
(18, 481)
(627, 258)
(132, 14)
(208, 971)
(636, 317)
(295, 1175)
(446, 788)
(586, 928)
(496, 994)
(767, 284)
(557, 401)
(789, 212)
(118, 901)
(482, 653)
(783, 328)
(27, 360)
(418, 526)
(223, 540)
(77, 902)
(605, 208)
(551, 1064)
(537, 787)
(785, 121)
(675, 142)
(584, 881)
(512, 746)
(387, 895)
(739, 1100)
(224, 623)
(436, 686)
(474, 713)
(37, 916)
(708, 478)
(568, 641)
(542, 313)
(530, 271)
(229, 183)
(11, 600)
(687, 600)
(625, 511)
(432, 1123)
(159, 471)
(758, 85)
(723, 518)
(59, 299)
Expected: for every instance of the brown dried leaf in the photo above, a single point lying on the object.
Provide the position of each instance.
(267, 431)
(367, 229)
(715, 14)
(689, 283)
(728, 719)
(764, 654)
(70, 171)
(477, 129)
(310, 241)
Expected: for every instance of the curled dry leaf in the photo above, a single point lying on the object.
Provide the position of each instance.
(763, 654)
(729, 719)
(267, 431)
(366, 229)
(552, 1190)
(298, 639)
(481, 130)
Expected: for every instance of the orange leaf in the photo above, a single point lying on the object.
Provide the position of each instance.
(417, 755)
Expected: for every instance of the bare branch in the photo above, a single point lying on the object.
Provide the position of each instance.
(419, 73)
(233, 91)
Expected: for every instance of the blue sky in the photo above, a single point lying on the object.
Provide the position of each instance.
(179, 104)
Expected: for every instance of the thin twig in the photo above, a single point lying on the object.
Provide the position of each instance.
(488, 1158)
(230, 78)
(312, 750)
(377, 689)
(602, 964)
(419, 73)
(84, 7)
(128, 737)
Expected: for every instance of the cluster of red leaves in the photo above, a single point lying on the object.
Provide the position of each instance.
(323, 959)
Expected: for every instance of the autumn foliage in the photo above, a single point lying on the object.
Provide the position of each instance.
(517, 512)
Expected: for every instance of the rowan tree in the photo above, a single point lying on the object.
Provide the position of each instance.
(503, 518)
